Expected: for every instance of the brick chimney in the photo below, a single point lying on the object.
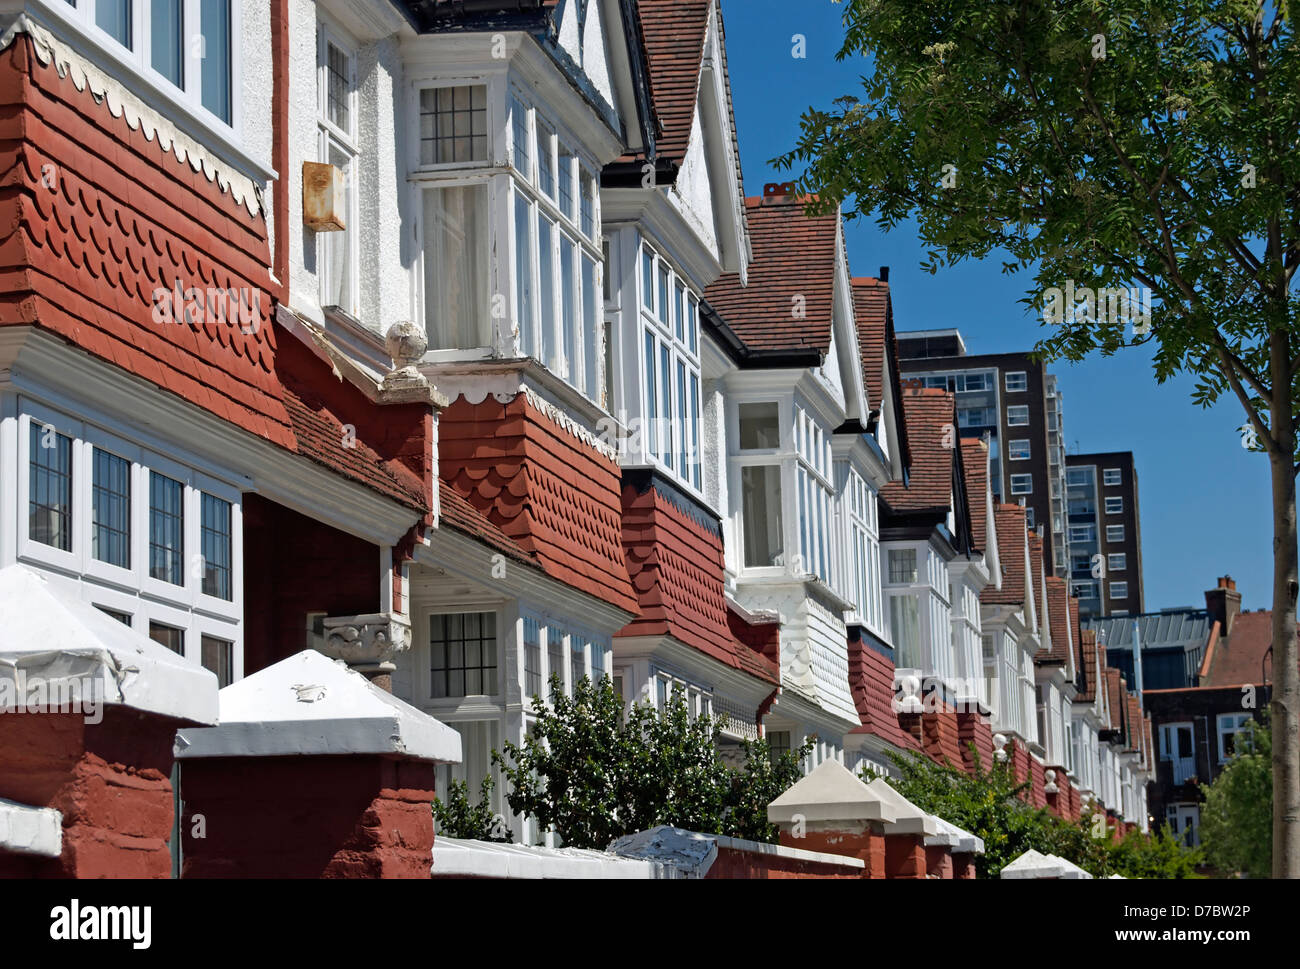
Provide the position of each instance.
(778, 193)
(1224, 603)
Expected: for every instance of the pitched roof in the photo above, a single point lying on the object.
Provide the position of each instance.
(1243, 657)
(873, 312)
(673, 32)
(789, 298)
(975, 462)
(1115, 697)
(1009, 520)
(1058, 615)
(931, 418)
(1088, 663)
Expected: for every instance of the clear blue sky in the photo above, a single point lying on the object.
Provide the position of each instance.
(1204, 500)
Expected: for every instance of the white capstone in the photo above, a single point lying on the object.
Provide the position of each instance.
(310, 705)
(26, 830)
(830, 792)
(49, 635)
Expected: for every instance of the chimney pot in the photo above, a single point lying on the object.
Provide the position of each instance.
(884, 274)
(777, 191)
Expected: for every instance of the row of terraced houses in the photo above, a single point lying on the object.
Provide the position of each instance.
(442, 338)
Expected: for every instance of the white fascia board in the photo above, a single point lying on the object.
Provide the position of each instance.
(711, 100)
(721, 678)
(44, 366)
(657, 217)
(473, 559)
(368, 20)
(793, 705)
(26, 830)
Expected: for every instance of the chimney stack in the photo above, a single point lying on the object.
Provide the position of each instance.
(884, 274)
(1224, 603)
(777, 193)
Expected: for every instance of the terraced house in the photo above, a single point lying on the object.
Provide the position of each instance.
(441, 339)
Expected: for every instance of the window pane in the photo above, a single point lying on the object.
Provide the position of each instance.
(532, 657)
(577, 659)
(692, 324)
(650, 433)
(455, 267)
(166, 528)
(463, 655)
(683, 424)
(338, 108)
(665, 309)
(519, 135)
(165, 40)
(590, 330)
(587, 190)
(453, 125)
(679, 311)
(760, 426)
(214, 23)
(695, 430)
(647, 279)
(336, 247)
(569, 307)
(546, 263)
(114, 18)
(110, 535)
(761, 497)
(568, 166)
(524, 275)
(216, 547)
(218, 656)
(905, 627)
(50, 485)
(902, 565)
(169, 636)
(545, 166)
(666, 401)
(123, 617)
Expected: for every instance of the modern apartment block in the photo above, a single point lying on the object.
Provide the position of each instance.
(1011, 398)
(1102, 511)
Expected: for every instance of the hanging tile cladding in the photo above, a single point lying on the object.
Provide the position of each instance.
(96, 217)
(553, 495)
(457, 513)
(676, 566)
(871, 679)
(792, 273)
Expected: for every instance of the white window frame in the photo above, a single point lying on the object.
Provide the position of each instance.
(1114, 533)
(1014, 411)
(1082, 534)
(1013, 446)
(1022, 382)
(1117, 561)
(1112, 477)
(780, 458)
(133, 590)
(1229, 723)
(1022, 478)
(1117, 590)
(1114, 505)
(139, 62)
(330, 136)
(815, 494)
(664, 438)
(863, 552)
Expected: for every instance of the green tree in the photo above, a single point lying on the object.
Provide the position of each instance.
(1104, 144)
(1237, 816)
(595, 771)
(458, 818)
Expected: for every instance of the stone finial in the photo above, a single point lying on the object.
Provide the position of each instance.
(1049, 785)
(999, 743)
(406, 343)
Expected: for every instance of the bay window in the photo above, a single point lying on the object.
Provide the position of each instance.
(558, 260)
(813, 471)
(154, 543)
(671, 396)
(864, 550)
(905, 631)
(183, 46)
(760, 488)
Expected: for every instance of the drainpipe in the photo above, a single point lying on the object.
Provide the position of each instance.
(280, 146)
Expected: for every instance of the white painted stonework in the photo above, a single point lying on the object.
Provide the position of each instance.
(830, 792)
(310, 705)
(462, 858)
(28, 830)
(48, 636)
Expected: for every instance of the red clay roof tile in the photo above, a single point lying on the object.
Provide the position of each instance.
(1009, 520)
(931, 418)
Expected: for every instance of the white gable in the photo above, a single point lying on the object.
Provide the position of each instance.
(585, 42)
(693, 190)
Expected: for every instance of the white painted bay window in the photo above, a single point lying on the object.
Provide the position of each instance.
(815, 492)
(670, 368)
(864, 580)
(557, 256)
(757, 453)
(153, 543)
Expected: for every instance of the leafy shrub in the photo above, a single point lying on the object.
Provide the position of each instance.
(458, 818)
